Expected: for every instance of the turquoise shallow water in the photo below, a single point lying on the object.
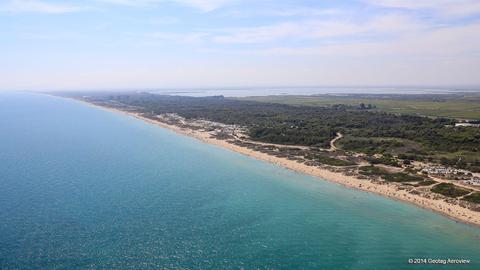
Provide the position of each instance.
(85, 188)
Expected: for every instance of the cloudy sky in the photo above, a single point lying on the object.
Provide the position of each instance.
(126, 44)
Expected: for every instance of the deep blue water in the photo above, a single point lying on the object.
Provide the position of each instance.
(82, 187)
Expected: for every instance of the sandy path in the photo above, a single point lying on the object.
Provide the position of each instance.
(332, 142)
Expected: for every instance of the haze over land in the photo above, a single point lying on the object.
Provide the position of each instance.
(113, 44)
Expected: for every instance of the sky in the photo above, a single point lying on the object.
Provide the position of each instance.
(158, 44)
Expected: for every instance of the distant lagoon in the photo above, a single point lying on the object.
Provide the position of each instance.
(267, 91)
(82, 187)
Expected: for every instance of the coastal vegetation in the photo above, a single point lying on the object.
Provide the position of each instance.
(450, 190)
(372, 170)
(371, 145)
(427, 182)
(390, 177)
(474, 197)
(458, 105)
(409, 137)
(384, 159)
(328, 160)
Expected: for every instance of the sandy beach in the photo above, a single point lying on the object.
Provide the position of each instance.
(390, 190)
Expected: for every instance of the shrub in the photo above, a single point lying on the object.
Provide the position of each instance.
(426, 183)
(450, 190)
(402, 177)
(474, 197)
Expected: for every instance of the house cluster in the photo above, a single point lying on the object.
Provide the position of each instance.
(467, 124)
(214, 127)
(454, 174)
(445, 171)
(475, 181)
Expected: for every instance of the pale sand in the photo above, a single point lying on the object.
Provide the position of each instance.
(389, 190)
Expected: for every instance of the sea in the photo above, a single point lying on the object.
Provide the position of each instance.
(86, 188)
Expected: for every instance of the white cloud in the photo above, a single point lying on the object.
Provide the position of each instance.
(158, 38)
(57, 36)
(444, 7)
(319, 29)
(449, 42)
(257, 34)
(325, 31)
(384, 42)
(285, 12)
(164, 20)
(38, 6)
(202, 5)
(303, 12)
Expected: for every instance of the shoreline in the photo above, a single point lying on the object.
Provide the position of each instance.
(388, 190)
